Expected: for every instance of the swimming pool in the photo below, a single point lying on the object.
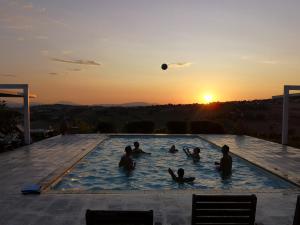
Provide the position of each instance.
(99, 169)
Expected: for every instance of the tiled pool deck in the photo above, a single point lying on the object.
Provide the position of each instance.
(45, 160)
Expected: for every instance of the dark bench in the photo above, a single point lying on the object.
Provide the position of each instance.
(223, 209)
(106, 217)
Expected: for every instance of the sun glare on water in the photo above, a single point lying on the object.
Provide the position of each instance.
(207, 98)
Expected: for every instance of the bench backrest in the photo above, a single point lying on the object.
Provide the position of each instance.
(223, 209)
(107, 217)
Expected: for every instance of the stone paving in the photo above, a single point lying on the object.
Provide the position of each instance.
(43, 161)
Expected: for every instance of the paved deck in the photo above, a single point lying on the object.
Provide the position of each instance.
(279, 159)
(43, 161)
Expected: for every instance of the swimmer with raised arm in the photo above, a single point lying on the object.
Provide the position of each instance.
(173, 149)
(126, 161)
(225, 164)
(180, 178)
(195, 155)
(137, 149)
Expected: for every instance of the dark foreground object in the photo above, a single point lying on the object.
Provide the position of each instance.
(104, 217)
(223, 209)
(297, 212)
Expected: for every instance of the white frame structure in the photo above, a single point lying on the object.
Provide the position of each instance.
(25, 95)
(285, 114)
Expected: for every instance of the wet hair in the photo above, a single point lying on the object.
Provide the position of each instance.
(128, 149)
(180, 172)
(197, 149)
(136, 144)
(173, 147)
(225, 149)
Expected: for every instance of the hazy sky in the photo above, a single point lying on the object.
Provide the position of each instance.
(111, 51)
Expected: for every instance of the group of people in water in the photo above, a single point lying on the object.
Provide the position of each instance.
(224, 166)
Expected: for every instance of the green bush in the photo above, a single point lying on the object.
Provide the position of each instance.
(206, 127)
(105, 127)
(143, 127)
(177, 127)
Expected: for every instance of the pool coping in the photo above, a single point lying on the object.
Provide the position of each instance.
(52, 179)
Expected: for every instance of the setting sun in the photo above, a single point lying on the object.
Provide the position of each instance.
(207, 98)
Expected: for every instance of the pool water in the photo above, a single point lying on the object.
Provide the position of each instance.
(99, 169)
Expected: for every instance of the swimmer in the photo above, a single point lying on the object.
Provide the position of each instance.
(173, 149)
(126, 161)
(225, 164)
(137, 149)
(195, 155)
(180, 178)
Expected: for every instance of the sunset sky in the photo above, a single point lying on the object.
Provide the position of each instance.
(97, 51)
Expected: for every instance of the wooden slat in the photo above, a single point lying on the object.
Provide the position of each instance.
(222, 219)
(223, 205)
(221, 223)
(222, 212)
(226, 198)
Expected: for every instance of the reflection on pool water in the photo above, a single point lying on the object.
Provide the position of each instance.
(99, 169)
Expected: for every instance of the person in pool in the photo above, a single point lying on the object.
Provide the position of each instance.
(137, 149)
(173, 149)
(225, 164)
(195, 155)
(180, 178)
(126, 161)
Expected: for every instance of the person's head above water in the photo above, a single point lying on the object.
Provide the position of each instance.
(180, 172)
(225, 149)
(197, 150)
(173, 147)
(128, 150)
(136, 144)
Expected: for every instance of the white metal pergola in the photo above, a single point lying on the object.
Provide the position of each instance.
(25, 95)
(285, 114)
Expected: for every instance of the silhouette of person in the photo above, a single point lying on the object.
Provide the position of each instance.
(126, 161)
(137, 149)
(195, 155)
(180, 178)
(173, 149)
(225, 164)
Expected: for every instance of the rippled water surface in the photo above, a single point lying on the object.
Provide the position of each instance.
(99, 169)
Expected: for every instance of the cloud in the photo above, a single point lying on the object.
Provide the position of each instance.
(66, 52)
(78, 61)
(41, 37)
(28, 6)
(52, 73)
(45, 52)
(270, 62)
(180, 64)
(7, 75)
(20, 39)
(75, 69)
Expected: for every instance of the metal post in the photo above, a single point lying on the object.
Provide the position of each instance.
(27, 137)
(285, 116)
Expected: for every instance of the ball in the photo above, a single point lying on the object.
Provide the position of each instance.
(164, 66)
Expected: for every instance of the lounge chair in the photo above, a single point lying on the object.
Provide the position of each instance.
(223, 209)
(106, 217)
(297, 212)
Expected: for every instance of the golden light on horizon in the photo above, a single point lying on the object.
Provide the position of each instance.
(207, 98)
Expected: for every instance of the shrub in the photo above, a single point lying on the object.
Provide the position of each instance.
(145, 127)
(177, 127)
(105, 127)
(206, 127)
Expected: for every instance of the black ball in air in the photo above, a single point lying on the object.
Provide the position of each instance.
(164, 66)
